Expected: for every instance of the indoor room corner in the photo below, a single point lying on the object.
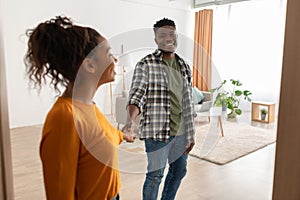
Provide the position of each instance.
(247, 44)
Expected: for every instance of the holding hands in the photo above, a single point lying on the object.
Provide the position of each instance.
(128, 129)
(128, 133)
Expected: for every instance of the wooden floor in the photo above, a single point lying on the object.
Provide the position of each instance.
(247, 178)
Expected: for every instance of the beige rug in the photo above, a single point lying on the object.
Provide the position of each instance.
(240, 139)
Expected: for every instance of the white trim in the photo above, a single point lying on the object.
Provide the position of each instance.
(214, 2)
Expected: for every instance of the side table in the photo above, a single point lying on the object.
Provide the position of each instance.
(257, 106)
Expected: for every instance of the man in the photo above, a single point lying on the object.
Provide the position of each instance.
(161, 91)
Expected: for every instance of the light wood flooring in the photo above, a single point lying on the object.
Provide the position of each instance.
(247, 178)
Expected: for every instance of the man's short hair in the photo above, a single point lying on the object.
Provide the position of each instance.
(163, 22)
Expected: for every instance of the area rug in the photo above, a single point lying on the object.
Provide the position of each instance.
(240, 139)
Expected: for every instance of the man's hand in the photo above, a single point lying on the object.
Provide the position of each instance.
(128, 129)
(189, 148)
(129, 137)
(128, 133)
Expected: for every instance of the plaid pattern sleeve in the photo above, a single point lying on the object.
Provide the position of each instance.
(139, 85)
(187, 104)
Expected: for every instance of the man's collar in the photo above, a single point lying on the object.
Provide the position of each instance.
(159, 53)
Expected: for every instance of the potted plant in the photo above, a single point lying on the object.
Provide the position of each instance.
(221, 100)
(233, 96)
(263, 113)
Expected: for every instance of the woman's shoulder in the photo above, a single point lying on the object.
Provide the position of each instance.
(62, 108)
(62, 105)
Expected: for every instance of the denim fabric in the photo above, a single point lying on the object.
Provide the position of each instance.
(158, 153)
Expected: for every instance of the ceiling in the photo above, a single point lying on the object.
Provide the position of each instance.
(176, 4)
(203, 3)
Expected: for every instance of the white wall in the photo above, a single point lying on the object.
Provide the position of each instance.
(248, 45)
(112, 18)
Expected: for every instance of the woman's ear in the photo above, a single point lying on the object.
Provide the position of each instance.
(89, 66)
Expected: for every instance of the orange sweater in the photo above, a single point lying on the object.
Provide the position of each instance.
(79, 152)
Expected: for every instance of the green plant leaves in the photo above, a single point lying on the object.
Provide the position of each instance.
(264, 111)
(230, 95)
(235, 82)
(238, 111)
(238, 93)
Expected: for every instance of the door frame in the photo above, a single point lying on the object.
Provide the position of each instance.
(6, 169)
(287, 160)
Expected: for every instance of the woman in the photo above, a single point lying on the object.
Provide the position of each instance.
(79, 146)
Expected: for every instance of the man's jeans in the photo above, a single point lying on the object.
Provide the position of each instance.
(158, 153)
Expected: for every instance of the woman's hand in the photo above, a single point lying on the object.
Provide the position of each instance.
(129, 137)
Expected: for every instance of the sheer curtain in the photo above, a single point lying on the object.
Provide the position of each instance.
(248, 45)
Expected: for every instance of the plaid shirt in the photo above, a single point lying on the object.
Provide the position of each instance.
(150, 93)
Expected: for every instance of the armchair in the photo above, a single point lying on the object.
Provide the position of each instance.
(202, 100)
(205, 109)
(205, 104)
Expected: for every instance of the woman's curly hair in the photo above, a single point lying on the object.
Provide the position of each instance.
(56, 49)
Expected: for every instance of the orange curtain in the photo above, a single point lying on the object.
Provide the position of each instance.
(202, 64)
